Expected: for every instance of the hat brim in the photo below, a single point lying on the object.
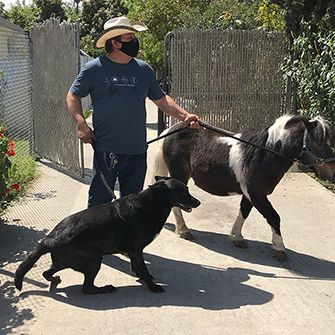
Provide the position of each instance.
(101, 39)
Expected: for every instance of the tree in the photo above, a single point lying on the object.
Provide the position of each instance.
(308, 11)
(93, 16)
(2, 8)
(163, 16)
(71, 13)
(40, 10)
(310, 28)
(21, 14)
(50, 8)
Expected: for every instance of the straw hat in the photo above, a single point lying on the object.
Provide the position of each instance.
(115, 27)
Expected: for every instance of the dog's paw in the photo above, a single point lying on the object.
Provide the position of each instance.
(156, 288)
(99, 290)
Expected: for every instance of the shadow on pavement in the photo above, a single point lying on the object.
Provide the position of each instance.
(14, 239)
(152, 126)
(186, 284)
(10, 316)
(261, 253)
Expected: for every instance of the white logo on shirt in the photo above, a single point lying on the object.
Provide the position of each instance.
(123, 81)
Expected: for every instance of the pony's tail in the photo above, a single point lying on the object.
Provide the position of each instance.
(160, 167)
(28, 263)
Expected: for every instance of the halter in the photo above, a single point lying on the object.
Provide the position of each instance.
(317, 160)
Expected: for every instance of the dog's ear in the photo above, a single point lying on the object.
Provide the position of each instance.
(158, 178)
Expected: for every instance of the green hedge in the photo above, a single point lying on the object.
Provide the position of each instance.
(311, 65)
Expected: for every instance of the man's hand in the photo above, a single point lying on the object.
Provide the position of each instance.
(85, 132)
(192, 120)
(170, 107)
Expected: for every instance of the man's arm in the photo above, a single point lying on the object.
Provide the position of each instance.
(170, 107)
(75, 108)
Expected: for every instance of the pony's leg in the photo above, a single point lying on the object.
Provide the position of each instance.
(264, 206)
(181, 173)
(236, 232)
(160, 168)
(181, 228)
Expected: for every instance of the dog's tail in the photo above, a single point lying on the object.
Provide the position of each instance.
(160, 167)
(28, 263)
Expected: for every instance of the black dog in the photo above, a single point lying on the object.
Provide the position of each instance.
(126, 225)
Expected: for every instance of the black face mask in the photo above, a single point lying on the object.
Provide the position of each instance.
(130, 48)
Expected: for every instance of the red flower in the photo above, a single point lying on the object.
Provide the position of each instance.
(11, 144)
(1, 134)
(10, 152)
(15, 187)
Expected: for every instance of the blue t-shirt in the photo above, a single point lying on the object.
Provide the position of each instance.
(118, 93)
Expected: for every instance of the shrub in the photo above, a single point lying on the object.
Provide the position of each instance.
(7, 189)
(311, 65)
(17, 168)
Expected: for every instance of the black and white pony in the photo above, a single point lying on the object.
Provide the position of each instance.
(222, 165)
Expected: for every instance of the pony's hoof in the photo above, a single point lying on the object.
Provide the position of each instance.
(156, 288)
(280, 255)
(187, 235)
(240, 244)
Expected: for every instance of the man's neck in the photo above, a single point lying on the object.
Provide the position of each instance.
(119, 57)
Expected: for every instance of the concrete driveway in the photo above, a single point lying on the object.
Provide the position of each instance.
(210, 286)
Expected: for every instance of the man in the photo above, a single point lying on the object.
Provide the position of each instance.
(118, 84)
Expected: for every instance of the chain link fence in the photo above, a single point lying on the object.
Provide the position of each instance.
(231, 78)
(15, 101)
(36, 72)
(55, 63)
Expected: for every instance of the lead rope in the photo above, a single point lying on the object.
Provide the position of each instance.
(226, 133)
(318, 160)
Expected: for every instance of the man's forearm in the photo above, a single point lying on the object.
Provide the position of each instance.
(170, 107)
(75, 108)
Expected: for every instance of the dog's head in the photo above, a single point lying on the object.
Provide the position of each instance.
(178, 193)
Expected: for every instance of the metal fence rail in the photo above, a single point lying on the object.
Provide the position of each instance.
(231, 78)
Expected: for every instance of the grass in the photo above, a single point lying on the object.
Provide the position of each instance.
(87, 113)
(23, 171)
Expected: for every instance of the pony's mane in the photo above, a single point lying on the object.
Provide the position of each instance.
(323, 131)
(278, 130)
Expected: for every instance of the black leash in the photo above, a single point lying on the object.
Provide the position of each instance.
(227, 133)
(223, 132)
(102, 176)
(233, 135)
(168, 134)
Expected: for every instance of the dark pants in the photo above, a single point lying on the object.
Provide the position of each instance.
(129, 169)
